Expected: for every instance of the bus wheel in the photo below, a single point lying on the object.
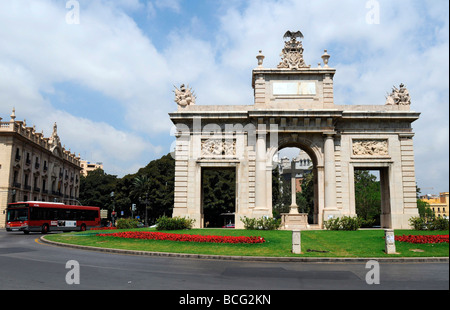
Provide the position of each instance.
(26, 232)
(44, 229)
(83, 227)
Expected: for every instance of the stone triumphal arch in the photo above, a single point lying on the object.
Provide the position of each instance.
(294, 107)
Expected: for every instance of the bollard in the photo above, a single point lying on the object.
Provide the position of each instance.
(296, 242)
(389, 240)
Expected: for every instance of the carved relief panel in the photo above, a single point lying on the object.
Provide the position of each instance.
(218, 147)
(369, 147)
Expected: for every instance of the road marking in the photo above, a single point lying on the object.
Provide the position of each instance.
(41, 243)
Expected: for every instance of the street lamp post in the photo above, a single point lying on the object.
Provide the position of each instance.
(113, 213)
(145, 201)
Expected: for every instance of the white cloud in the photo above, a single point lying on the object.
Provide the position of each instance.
(410, 45)
(108, 53)
(174, 5)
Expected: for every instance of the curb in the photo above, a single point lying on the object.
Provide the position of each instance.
(255, 258)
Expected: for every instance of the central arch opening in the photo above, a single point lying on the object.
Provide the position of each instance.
(293, 167)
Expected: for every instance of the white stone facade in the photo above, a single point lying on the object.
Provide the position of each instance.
(294, 107)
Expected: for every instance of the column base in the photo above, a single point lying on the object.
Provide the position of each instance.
(331, 213)
(294, 221)
(293, 209)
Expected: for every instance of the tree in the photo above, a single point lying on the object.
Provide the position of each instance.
(219, 194)
(96, 188)
(156, 182)
(367, 196)
(281, 194)
(142, 186)
(424, 208)
(305, 199)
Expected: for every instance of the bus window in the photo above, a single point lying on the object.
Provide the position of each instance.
(17, 215)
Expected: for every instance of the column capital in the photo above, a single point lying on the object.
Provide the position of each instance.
(329, 134)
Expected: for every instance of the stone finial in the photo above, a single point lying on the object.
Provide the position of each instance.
(260, 58)
(13, 115)
(325, 58)
(54, 139)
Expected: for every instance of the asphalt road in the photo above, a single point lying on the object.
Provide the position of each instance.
(25, 263)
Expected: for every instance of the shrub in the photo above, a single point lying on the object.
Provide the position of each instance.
(421, 223)
(438, 223)
(332, 224)
(344, 223)
(173, 223)
(249, 223)
(125, 223)
(418, 223)
(264, 223)
(367, 223)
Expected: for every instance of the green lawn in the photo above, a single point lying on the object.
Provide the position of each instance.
(361, 243)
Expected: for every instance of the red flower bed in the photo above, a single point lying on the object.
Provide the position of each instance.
(423, 238)
(185, 238)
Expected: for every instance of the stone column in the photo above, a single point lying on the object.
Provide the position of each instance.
(330, 173)
(260, 173)
(294, 206)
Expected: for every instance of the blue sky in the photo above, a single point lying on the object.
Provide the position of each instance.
(108, 80)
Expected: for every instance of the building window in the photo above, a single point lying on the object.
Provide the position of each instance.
(15, 179)
(17, 154)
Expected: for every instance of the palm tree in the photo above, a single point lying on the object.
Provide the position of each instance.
(141, 188)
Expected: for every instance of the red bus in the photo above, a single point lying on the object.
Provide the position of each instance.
(38, 216)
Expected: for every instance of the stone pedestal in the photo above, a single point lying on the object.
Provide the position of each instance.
(296, 242)
(389, 240)
(291, 221)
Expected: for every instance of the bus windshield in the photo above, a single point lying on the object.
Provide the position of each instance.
(15, 215)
